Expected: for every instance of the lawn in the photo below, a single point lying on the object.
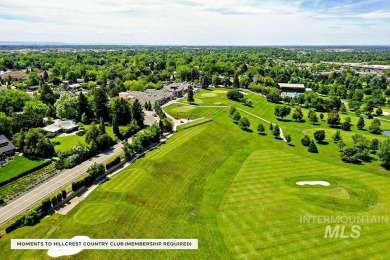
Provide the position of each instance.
(233, 190)
(69, 141)
(19, 165)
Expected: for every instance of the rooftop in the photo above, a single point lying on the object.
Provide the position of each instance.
(291, 86)
(5, 144)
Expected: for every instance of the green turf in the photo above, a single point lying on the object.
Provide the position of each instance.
(19, 165)
(69, 141)
(94, 213)
(233, 190)
(135, 179)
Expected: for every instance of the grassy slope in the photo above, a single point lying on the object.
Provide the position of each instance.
(233, 198)
(19, 165)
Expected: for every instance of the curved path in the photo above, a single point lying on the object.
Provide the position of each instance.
(249, 113)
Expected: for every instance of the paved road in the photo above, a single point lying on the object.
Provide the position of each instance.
(30, 198)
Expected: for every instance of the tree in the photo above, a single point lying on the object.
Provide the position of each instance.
(232, 110)
(115, 127)
(313, 117)
(384, 153)
(236, 81)
(66, 106)
(374, 146)
(322, 116)
(205, 82)
(282, 111)
(341, 145)
(260, 129)
(5, 124)
(138, 113)
(343, 109)
(36, 107)
(120, 107)
(273, 96)
(305, 141)
(234, 94)
(375, 126)
(319, 136)
(379, 111)
(271, 126)
(346, 125)
(47, 95)
(236, 116)
(96, 169)
(190, 94)
(276, 131)
(36, 145)
(360, 125)
(244, 123)
(84, 108)
(101, 104)
(92, 134)
(102, 127)
(337, 136)
(312, 147)
(333, 119)
(297, 114)
(351, 155)
(104, 141)
(288, 138)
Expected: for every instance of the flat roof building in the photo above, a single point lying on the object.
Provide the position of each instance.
(291, 90)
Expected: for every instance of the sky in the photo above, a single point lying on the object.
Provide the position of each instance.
(197, 22)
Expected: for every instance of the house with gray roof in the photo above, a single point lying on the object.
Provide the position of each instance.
(61, 126)
(6, 146)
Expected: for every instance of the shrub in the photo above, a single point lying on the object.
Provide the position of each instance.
(80, 133)
(305, 141)
(234, 94)
(312, 147)
(111, 164)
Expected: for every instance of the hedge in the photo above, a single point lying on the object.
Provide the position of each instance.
(111, 164)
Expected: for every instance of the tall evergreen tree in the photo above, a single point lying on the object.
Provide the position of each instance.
(360, 125)
(236, 81)
(138, 113)
(102, 127)
(115, 126)
(101, 104)
(190, 97)
(84, 107)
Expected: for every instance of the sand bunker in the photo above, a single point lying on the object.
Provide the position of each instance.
(57, 251)
(323, 183)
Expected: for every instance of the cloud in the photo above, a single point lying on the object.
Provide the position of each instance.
(230, 22)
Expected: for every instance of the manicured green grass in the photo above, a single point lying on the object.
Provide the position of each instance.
(19, 165)
(94, 213)
(67, 142)
(234, 191)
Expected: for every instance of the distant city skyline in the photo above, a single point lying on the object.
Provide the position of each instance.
(197, 22)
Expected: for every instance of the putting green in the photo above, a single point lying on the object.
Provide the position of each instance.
(94, 213)
(208, 95)
(220, 91)
(183, 109)
(134, 179)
